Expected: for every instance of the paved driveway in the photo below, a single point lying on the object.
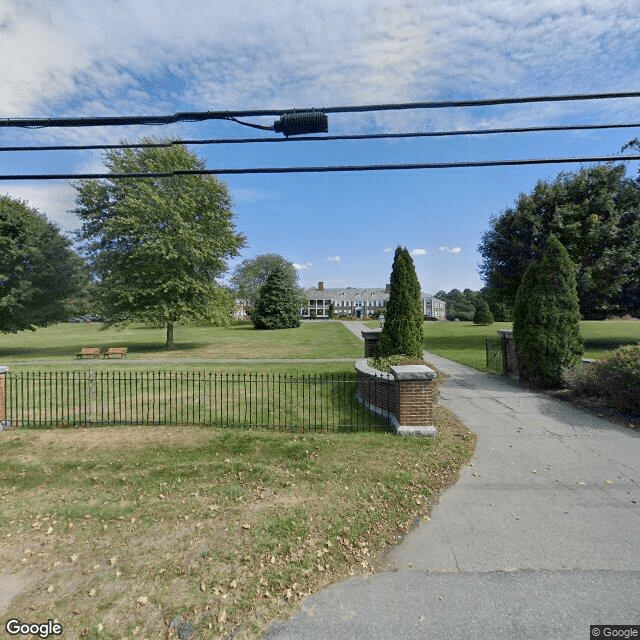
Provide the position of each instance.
(539, 538)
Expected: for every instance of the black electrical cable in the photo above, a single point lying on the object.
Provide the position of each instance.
(364, 136)
(320, 169)
(199, 116)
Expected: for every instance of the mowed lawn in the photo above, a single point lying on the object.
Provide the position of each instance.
(61, 342)
(465, 342)
(136, 531)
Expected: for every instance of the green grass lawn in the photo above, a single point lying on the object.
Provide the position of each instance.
(117, 531)
(55, 347)
(61, 342)
(464, 342)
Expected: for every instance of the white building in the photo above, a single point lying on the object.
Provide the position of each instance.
(360, 303)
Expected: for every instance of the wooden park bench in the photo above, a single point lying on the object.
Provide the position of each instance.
(88, 352)
(116, 352)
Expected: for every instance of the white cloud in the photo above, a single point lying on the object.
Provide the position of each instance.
(333, 259)
(50, 198)
(418, 252)
(453, 250)
(302, 267)
(387, 250)
(161, 55)
(131, 57)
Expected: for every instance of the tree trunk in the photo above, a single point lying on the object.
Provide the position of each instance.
(169, 345)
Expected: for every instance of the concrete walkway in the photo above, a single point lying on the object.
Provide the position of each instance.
(538, 539)
(355, 327)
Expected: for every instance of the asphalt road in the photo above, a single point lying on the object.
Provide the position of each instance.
(538, 539)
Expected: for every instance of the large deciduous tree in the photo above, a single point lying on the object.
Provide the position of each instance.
(546, 325)
(39, 272)
(402, 330)
(156, 245)
(595, 213)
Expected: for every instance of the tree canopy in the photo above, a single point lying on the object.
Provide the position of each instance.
(252, 273)
(402, 330)
(39, 272)
(595, 213)
(278, 302)
(157, 245)
(460, 304)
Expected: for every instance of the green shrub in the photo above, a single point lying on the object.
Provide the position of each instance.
(385, 364)
(402, 330)
(278, 303)
(483, 315)
(616, 379)
(546, 319)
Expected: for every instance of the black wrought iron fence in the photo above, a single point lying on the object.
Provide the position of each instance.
(494, 354)
(86, 398)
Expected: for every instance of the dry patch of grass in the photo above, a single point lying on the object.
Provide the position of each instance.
(160, 532)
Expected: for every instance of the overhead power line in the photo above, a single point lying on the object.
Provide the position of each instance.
(367, 136)
(321, 169)
(199, 116)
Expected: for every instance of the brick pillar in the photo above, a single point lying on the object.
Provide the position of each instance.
(3, 398)
(415, 390)
(370, 341)
(509, 358)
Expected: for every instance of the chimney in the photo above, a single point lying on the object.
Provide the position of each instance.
(320, 286)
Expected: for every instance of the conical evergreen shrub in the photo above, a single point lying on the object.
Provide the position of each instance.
(402, 330)
(278, 302)
(546, 327)
(483, 315)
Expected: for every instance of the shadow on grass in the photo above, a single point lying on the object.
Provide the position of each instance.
(136, 349)
(597, 344)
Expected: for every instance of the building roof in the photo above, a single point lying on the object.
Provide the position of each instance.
(355, 293)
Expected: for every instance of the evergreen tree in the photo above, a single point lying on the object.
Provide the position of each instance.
(402, 330)
(546, 327)
(252, 273)
(278, 303)
(483, 315)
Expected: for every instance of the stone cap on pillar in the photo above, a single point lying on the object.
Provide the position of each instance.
(413, 372)
(371, 333)
(505, 333)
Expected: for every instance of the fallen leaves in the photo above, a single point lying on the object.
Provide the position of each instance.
(222, 558)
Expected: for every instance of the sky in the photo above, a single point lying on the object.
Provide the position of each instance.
(82, 58)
